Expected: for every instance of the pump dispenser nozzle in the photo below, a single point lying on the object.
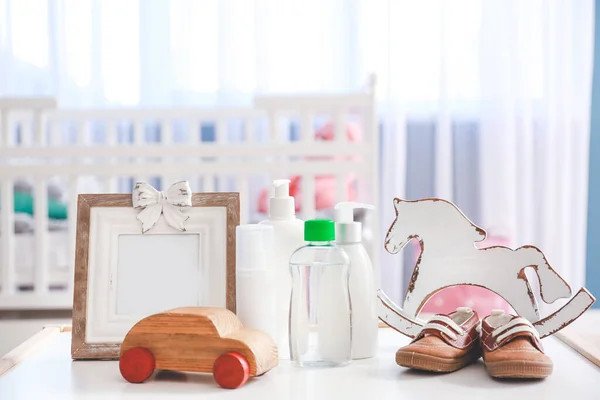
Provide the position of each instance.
(281, 204)
(348, 231)
(281, 187)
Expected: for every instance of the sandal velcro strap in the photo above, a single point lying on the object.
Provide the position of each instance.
(517, 327)
(443, 327)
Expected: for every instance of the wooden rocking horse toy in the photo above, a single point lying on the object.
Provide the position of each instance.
(449, 258)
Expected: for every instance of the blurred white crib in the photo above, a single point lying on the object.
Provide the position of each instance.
(113, 148)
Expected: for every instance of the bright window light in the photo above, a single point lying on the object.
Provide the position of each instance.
(78, 41)
(120, 50)
(195, 44)
(29, 31)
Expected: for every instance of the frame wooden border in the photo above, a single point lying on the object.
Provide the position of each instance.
(79, 348)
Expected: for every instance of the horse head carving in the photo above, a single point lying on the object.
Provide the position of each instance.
(449, 257)
(445, 215)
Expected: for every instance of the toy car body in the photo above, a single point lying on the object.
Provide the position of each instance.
(197, 339)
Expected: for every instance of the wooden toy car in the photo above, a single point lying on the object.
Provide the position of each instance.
(197, 339)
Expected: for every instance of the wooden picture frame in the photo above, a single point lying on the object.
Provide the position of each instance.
(109, 234)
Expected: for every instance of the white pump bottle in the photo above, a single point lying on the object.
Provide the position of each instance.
(363, 295)
(288, 235)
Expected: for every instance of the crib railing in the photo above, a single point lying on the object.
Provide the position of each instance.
(34, 109)
(215, 149)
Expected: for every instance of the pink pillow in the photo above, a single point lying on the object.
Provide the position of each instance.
(326, 132)
(325, 193)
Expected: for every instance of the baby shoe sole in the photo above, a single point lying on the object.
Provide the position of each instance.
(519, 369)
(427, 362)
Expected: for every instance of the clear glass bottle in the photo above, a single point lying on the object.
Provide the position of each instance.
(320, 320)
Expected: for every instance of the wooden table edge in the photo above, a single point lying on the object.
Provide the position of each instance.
(30, 346)
(580, 345)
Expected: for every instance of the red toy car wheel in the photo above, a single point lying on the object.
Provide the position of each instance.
(137, 364)
(231, 370)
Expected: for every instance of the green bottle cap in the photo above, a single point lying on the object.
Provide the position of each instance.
(319, 230)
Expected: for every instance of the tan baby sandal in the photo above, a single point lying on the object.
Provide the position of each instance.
(446, 343)
(511, 347)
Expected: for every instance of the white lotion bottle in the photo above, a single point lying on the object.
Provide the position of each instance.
(363, 294)
(288, 235)
(255, 290)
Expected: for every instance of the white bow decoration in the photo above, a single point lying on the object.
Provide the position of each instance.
(153, 203)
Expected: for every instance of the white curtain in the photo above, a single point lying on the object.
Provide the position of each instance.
(536, 79)
(510, 80)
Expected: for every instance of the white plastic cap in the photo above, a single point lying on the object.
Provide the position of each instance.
(254, 247)
(281, 204)
(348, 231)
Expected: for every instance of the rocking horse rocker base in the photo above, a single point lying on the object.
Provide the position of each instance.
(449, 257)
(393, 315)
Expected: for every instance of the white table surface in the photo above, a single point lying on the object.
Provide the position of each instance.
(49, 373)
